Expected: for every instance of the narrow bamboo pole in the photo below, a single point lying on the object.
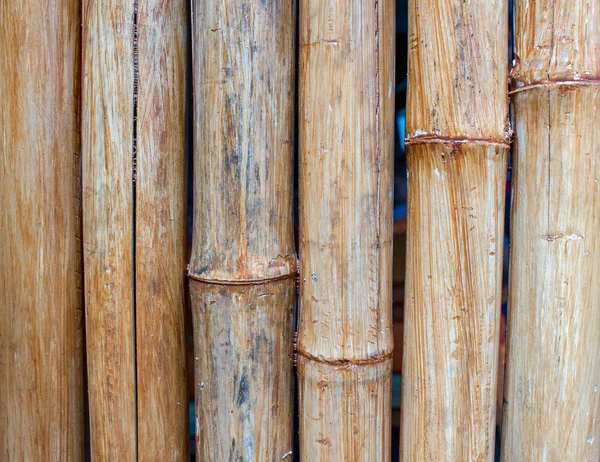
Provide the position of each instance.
(345, 335)
(160, 234)
(552, 393)
(457, 148)
(134, 227)
(41, 323)
(107, 143)
(243, 258)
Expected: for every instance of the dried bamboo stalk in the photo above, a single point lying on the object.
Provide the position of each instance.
(457, 148)
(552, 392)
(345, 337)
(41, 323)
(243, 258)
(134, 236)
(160, 234)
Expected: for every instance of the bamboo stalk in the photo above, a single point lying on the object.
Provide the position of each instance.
(41, 323)
(134, 234)
(552, 393)
(457, 148)
(345, 337)
(243, 258)
(160, 234)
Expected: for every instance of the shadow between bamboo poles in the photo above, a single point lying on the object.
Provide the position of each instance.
(243, 260)
(457, 148)
(552, 393)
(134, 235)
(41, 322)
(345, 336)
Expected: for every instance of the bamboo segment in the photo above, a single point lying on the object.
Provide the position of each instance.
(457, 148)
(41, 323)
(107, 142)
(552, 392)
(134, 227)
(345, 337)
(243, 258)
(160, 234)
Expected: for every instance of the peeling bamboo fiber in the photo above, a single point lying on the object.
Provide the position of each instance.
(457, 149)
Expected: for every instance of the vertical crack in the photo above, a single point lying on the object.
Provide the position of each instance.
(134, 159)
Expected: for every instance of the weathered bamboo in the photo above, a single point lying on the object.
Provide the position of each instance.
(134, 234)
(41, 323)
(243, 259)
(345, 337)
(160, 234)
(457, 148)
(552, 393)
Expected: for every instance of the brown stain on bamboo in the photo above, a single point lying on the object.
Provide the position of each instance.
(457, 149)
(552, 397)
(41, 319)
(243, 259)
(345, 335)
(134, 265)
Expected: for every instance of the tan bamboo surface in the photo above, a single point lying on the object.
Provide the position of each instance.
(41, 321)
(134, 237)
(243, 259)
(345, 338)
(457, 148)
(160, 234)
(552, 392)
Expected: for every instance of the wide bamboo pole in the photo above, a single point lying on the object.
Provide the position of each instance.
(457, 148)
(160, 231)
(41, 322)
(243, 259)
(552, 393)
(345, 335)
(134, 233)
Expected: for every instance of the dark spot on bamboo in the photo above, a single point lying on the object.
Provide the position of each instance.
(243, 390)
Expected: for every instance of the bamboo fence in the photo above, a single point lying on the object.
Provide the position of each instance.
(243, 259)
(457, 150)
(552, 397)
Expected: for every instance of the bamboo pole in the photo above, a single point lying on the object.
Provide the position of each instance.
(160, 234)
(41, 323)
(243, 258)
(552, 393)
(134, 233)
(345, 337)
(457, 148)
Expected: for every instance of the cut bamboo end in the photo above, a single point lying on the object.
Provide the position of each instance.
(452, 308)
(553, 369)
(243, 337)
(345, 410)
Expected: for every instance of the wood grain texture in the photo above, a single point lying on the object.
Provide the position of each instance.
(244, 387)
(457, 148)
(345, 337)
(107, 142)
(552, 391)
(243, 258)
(41, 319)
(160, 232)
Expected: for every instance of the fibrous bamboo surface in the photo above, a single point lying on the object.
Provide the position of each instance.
(345, 337)
(134, 234)
(243, 259)
(457, 148)
(41, 323)
(552, 392)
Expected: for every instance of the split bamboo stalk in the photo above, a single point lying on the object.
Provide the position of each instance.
(552, 393)
(457, 149)
(134, 233)
(345, 337)
(41, 322)
(243, 259)
(160, 234)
